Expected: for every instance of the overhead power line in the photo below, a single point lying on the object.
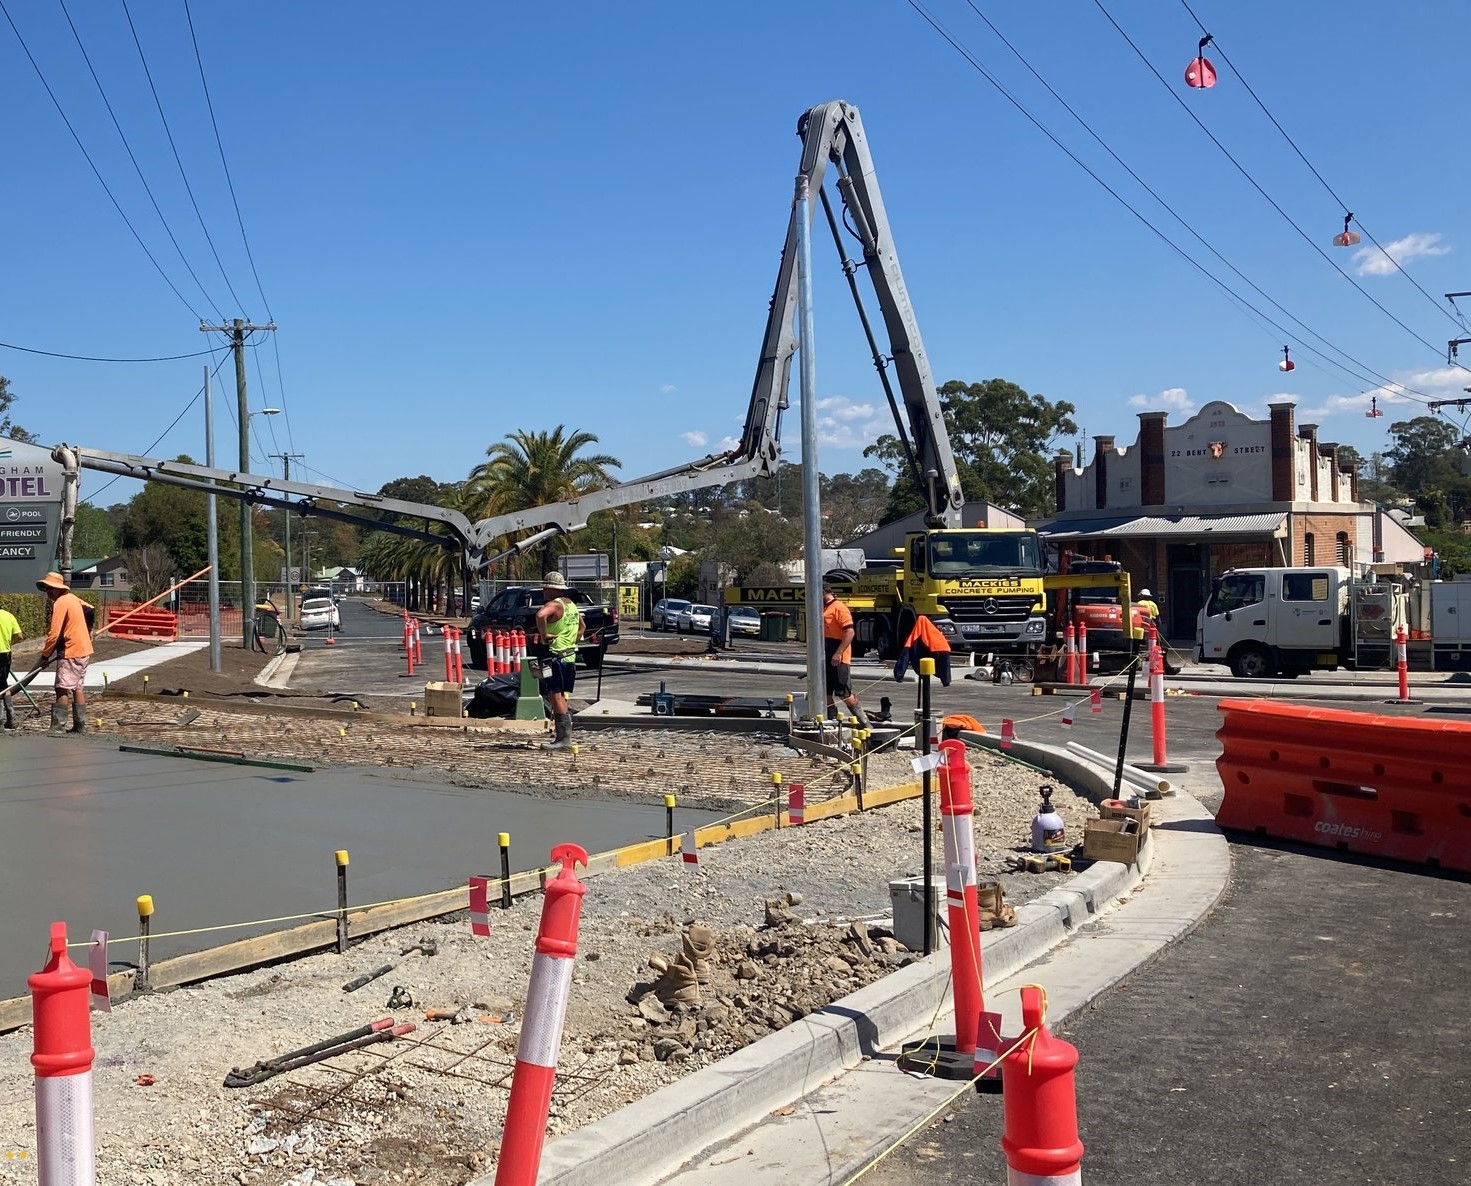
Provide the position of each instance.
(93, 164)
(1127, 205)
(1246, 173)
(1302, 156)
(94, 358)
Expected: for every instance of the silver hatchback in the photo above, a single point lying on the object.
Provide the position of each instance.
(666, 611)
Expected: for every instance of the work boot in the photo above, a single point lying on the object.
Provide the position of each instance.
(58, 717)
(698, 942)
(79, 719)
(9, 713)
(860, 716)
(991, 907)
(563, 738)
(678, 983)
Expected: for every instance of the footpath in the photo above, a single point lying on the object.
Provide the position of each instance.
(821, 1100)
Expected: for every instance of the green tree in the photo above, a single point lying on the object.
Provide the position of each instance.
(852, 504)
(532, 469)
(94, 534)
(742, 540)
(1003, 438)
(1421, 455)
(8, 428)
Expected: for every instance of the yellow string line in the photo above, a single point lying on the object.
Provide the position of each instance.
(925, 1120)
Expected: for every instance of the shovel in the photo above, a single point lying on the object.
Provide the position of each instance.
(425, 946)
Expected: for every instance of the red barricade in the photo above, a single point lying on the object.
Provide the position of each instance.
(1381, 785)
(137, 624)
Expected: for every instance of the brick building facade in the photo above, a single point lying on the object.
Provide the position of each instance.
(1221, 490)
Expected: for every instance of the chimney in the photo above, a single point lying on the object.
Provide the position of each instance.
(1309, 433)
(1103, 446)
(1062, 466)
(1282, 452)
(1152, 458)
(1330, 451)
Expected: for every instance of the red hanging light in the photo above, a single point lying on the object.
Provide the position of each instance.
(1373, 413)
(1200, 74)
(1286, 364)
(1347, 238)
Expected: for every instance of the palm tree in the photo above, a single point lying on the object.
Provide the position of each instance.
(533, 469)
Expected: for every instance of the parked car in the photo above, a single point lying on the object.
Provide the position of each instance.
(744, 619)
(695, 620)
(666, 611)
(515, 609)
(319, 613)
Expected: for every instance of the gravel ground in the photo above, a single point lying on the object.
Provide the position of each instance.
(429, 1107)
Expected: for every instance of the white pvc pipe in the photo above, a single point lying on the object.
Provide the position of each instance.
(1132, 774)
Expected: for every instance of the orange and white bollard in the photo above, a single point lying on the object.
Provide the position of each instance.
(409, 646)
(449, 658)
(1082, 653)
(1161, 763)
(1402, 665)
(976, 1039)
(61, 995)
(541, 1028)
(1039, 1103)
(1070, 645)
(418, 646)
(502, 651)
(459, 659)
(518, 649)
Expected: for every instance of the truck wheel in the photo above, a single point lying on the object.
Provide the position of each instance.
(1252, 663)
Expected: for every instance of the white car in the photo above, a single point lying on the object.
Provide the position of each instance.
(695, 620)
(318, 613)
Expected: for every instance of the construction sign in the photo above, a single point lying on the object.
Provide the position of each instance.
(628, 601)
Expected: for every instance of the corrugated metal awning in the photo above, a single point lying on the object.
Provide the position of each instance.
(1271, 524)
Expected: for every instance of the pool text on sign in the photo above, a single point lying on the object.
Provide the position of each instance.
(30, 514)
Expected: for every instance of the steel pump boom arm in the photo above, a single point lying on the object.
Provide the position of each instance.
(832, 134)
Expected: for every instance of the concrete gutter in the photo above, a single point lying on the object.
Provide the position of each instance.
(653, 1137)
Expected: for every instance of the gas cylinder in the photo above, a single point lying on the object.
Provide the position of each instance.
(1048, 833)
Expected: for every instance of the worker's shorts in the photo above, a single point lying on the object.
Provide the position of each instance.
(559, 675)
(4, 667)
(70, 673)
(839, 680)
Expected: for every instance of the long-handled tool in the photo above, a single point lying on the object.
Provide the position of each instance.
(21, 684)
(382, 1030)
(21, 688)
(426, 946)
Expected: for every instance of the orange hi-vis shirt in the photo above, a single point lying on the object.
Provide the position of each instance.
(836, 619)
(69, 622)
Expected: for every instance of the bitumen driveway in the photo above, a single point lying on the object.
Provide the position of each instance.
(1314, 1028)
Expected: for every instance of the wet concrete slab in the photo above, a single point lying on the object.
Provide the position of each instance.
(86, 828)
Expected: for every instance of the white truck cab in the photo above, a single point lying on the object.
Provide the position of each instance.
(1264, 621)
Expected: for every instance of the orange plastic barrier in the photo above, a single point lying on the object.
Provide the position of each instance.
(1386, 786)
(143, 623)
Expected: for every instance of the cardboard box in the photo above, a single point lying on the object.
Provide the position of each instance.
(443, 700)
(1106, 840)
(1140, 814)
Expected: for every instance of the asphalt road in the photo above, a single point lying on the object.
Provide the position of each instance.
(1313, 1029)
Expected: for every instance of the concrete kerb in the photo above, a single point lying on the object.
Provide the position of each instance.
(653, 1137)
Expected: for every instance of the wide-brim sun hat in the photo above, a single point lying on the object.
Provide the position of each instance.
(554, 580)
(52, 580)
(1144, 593)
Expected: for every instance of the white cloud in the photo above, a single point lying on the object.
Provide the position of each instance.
(726, 444)
(843, 423)
(694, 438)
(1370, 261)
(668, 389)
(1442, 383)
(1171, 399)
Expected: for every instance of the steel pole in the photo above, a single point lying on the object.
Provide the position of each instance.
(811, 510)
(247, 544)
(212, 532)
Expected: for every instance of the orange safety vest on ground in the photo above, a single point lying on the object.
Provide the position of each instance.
(68, 637)
(925, 642)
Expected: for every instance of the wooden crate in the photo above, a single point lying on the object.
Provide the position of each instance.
(1106, 840)
(1140, 815)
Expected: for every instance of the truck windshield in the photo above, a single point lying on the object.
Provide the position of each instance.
(974, 553)
(1236, 590)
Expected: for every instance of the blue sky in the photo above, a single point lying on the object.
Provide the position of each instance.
(469, 219)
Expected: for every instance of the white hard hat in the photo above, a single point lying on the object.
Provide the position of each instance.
(1144, 593)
